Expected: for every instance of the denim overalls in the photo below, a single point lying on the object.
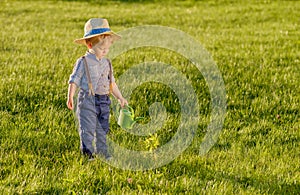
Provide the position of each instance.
(93, 116)
(93, 111)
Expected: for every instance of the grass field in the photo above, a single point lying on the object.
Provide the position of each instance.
(256, 46)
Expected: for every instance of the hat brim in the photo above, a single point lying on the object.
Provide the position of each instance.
(114, 35)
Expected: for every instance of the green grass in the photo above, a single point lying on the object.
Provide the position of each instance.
(256, 47)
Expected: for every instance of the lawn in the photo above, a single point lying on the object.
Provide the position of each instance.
(256, 48)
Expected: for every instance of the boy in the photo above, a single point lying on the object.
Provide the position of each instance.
(92, 73)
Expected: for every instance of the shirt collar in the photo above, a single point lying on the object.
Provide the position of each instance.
(93, 56)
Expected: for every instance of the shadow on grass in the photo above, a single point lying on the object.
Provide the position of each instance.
(263, 184)
(112, 1)
(49, 190)
(270, 185)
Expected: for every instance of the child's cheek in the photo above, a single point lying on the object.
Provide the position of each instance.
(97, 50)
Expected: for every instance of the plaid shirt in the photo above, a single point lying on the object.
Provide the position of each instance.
(99, 71)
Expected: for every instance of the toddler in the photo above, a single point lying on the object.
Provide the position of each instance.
(93, 75)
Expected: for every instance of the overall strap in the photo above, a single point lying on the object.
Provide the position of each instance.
(91, 90)
(110, 76)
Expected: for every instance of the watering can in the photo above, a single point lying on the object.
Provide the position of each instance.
(126, 118)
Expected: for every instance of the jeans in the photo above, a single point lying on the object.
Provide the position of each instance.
(93, 116)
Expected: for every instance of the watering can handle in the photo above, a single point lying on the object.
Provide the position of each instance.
(125, 106)
(130, 109)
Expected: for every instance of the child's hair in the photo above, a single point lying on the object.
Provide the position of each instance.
(97, 39)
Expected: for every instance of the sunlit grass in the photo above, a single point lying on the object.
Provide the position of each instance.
(256, 47)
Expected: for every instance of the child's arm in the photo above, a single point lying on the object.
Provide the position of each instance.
(117, 94)
(71, 92)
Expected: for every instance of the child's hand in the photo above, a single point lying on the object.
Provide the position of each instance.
(71, 91)
(123, 102)
(70, 103)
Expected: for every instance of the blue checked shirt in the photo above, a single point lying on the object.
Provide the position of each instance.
(99, 71)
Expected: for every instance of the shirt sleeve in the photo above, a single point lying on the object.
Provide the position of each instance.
(77, 73)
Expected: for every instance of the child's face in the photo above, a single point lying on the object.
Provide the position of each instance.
(101, 49)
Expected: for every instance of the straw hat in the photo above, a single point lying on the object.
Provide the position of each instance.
(94, 27)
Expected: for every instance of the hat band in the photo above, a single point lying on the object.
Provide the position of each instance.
(96, 31)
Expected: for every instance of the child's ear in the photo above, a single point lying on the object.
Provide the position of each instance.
(90, 45)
